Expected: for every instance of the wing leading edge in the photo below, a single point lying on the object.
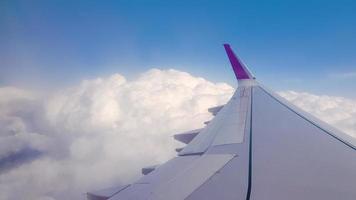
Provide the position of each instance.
(258, 146)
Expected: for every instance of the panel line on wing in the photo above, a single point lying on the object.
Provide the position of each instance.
(313, 123)
(248, 195)
(197, 173)
(202, 185)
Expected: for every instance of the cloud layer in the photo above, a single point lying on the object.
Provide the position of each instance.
(103, 131)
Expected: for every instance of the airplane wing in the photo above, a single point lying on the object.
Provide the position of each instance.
(258, 146)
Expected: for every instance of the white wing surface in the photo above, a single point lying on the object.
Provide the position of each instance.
(258, 146)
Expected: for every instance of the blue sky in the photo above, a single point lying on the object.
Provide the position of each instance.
(300, 45)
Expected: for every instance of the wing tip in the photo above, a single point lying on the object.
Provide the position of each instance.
(240, 70)
(226, 45)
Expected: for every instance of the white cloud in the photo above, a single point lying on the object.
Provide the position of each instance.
(19, 115)
(103, 131)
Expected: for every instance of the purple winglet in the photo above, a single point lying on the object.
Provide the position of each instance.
(241, 72)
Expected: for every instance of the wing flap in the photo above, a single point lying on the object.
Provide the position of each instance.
(188, 136)
(105, 193)
(215, 110)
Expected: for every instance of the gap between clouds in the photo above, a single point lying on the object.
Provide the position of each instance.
(103, 131)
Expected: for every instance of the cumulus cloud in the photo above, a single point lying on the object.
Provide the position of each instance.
(101, 132)
(19, 115)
